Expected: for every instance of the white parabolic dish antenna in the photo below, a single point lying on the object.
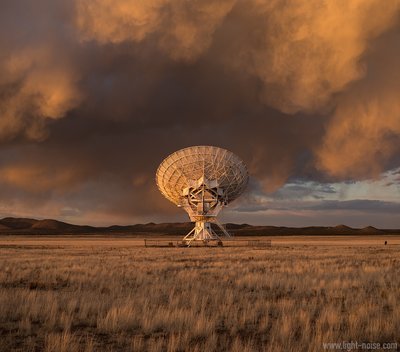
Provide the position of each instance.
(202, 180)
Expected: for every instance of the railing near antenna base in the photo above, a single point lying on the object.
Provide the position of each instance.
(227, 243)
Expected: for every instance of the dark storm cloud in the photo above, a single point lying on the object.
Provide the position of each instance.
(364, 205)
(299, 190)
(361, 205)
(94, 94)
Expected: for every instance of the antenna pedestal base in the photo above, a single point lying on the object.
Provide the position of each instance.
(204, 232)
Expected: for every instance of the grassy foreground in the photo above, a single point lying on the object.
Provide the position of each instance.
(284, 298)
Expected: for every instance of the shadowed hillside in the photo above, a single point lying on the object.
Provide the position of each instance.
(26, 226)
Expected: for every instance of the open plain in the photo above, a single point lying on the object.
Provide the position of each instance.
(112, 294)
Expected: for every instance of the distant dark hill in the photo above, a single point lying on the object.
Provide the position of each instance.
(344, 227)
(49, 224)
(236, 226)
(46, 226)
(18, 223)
(249, 230)
(344, 230)
(371, 230)
(4, 227)
(59, 226)
(27, 226)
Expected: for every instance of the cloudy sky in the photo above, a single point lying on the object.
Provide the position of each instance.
(95, 93)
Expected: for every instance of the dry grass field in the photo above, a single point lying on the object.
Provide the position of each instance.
(113, 295)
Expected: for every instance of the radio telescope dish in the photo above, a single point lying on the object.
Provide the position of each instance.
(202, 180)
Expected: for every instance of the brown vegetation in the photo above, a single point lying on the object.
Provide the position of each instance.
(113, 298)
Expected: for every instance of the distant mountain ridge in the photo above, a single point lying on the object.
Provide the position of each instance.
(26, 226)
